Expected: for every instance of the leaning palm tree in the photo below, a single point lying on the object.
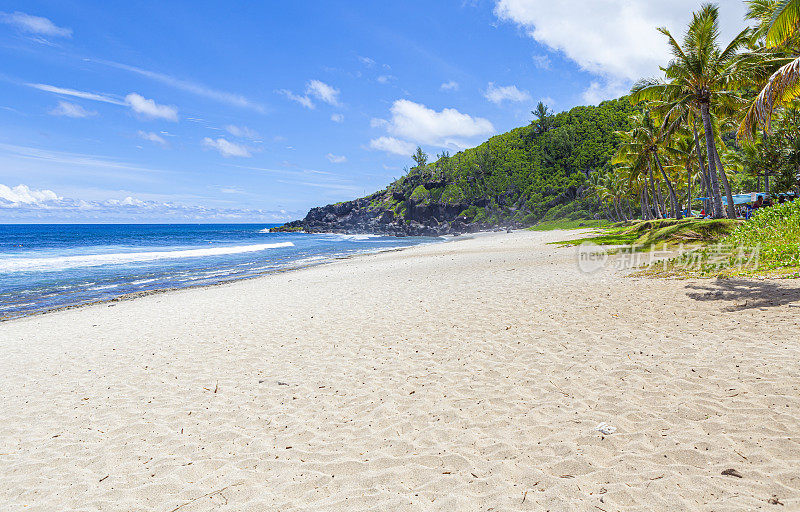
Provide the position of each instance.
(641, 146)
(684, 147)
(699, 76)
(779, 30)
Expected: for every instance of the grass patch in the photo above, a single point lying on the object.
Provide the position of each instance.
(552, 225)
(644, 235)
(767, 245)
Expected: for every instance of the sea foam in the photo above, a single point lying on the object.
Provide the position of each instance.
(92, 260)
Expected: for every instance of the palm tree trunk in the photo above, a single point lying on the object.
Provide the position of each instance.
(673, 198)
(689, 190)
(766, 183)
(716, 198)
(657, 211)
(726, 185)
(641, 204)
(646, 213)
(698, 150)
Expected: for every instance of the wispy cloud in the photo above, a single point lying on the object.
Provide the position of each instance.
(336, 159)
(62, 157)
(226, 148)
(63, 91)
(229, 98)
(67, 109)
(314, 89)
(34, 24)
(449, 86)
(303, 100)
(366, 61)
(336, 187)
(323, 92)
(242, 132)
(153, 137)
(498, 94)
(337, 118)
(139, 104)
(541, 61)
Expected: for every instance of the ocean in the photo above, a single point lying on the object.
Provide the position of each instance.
(45, 267)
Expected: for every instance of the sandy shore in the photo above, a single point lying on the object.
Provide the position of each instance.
(463, 376)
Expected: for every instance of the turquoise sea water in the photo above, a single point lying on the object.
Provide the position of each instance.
(45, 267)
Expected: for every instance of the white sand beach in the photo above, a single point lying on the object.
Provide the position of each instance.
(463, 376)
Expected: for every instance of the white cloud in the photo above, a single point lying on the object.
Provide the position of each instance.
(449, 86)
(497, 94)
(614, 39)
(336, 159)
(226, 148)
(65, 162)
(149, 108)
(385, 79)
(34, 24)
(601, 91)
(419, 124)
(316, 89)
(392, 145)
(541, 61)
(25, 204)
(323, 92)
(303, 100)
(138, 103)
(77, 94)
(153, 137)
(68, 109)
(242, 132)
(376, 122)
(337, 118)
(366, 61)
(185, 85)
(22, 195)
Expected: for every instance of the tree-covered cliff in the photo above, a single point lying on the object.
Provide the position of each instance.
(539, 171)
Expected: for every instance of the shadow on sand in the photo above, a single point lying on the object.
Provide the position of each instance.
(746, 293)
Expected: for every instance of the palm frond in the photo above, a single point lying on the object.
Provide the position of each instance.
(784, 23)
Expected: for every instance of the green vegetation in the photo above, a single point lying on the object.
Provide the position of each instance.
(768, 244)
(697, 133)
(539, 171)
(552, 225)
(665, 233)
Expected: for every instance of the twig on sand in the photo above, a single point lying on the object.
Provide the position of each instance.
(559, 389)
(216, 388)
(524, 495)
(208, 495)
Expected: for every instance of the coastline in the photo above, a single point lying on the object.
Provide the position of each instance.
(451, 376)
(156, 291)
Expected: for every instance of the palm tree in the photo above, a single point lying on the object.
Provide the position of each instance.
(778, 29)
(640, 147)
(684, 148)
(544, 118)
(698, 77)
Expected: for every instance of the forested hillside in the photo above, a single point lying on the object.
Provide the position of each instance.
(539, 171)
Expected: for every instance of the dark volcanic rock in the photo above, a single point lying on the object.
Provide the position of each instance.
(363, 216)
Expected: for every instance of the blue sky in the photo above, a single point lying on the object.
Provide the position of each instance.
(257, 111)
